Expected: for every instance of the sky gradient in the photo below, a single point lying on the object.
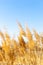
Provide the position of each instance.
(25, 11)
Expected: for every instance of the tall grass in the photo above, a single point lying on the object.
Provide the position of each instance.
(21, 52)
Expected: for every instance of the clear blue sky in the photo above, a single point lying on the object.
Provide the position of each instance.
(30, 11)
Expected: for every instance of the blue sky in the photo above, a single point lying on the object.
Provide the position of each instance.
(30, 11)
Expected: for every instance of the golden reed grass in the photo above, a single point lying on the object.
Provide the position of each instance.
(21, 52)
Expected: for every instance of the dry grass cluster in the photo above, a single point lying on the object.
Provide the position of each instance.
(22, 52)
